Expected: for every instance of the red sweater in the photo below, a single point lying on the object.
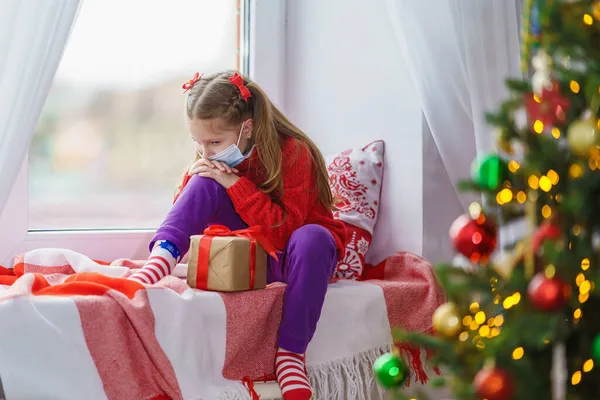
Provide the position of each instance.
(300, 197)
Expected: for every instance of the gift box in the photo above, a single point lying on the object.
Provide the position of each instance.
(229, 261)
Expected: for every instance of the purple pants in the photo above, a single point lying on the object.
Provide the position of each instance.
(306, 265)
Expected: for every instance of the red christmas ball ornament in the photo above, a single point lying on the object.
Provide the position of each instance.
(475, 238)
(547, 294)
(493, 384)
(549, 108)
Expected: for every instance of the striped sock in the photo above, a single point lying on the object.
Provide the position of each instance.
(161, 262)
(291, 375)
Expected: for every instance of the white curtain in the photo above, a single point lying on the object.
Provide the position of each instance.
(459, 53)
(33, 34)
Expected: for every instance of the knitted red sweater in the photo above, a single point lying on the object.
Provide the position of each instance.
(300, 197)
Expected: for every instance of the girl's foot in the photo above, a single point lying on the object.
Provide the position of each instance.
(291, 375)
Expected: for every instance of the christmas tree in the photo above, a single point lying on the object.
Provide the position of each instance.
(523, 321)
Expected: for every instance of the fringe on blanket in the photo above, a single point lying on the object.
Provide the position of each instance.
(347, 378)
(239, 392)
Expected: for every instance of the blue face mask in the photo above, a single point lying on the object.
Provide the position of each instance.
(232, 155)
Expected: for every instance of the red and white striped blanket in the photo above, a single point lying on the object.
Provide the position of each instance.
(73, 328)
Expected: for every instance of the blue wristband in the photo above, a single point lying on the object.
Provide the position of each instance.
(170, 247)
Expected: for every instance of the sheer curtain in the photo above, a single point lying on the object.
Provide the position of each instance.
(459, 53)
(33, 34)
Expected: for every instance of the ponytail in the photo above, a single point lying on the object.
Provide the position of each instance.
(267, 140)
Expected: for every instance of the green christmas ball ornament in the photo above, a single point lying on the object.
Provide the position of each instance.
(489, 172)
(391, 371)
(596, 349)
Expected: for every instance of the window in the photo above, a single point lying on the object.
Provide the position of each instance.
(111, 143)
(123, 50)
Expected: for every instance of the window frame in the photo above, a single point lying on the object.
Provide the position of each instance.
(262, 57)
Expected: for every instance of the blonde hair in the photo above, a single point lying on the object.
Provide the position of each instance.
(215, 96)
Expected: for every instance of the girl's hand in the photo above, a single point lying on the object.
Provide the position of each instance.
(195, 168)
(224, 178)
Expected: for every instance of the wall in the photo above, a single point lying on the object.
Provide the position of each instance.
(346, 85)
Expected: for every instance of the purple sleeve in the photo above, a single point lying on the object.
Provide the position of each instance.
(187, 217)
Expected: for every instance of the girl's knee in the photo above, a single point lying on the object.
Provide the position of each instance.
(313, 238)
(206, 188)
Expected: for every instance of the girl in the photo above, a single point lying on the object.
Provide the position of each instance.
(257, 168)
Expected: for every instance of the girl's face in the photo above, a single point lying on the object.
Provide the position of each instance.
(213, 136)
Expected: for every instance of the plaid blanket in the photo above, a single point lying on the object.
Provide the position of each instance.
(74, 328)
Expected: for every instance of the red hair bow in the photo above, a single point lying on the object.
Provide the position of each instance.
(238, 81)
(190, 84)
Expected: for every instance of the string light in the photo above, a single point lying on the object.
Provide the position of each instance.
(495, 332)
(585, 264)
(583, 297)
(578, 313)
(507, 303)
(474, 307)
(574, 86)
(538, 126)
(464, 336)
(579, 279)
(555, 133)
(575, 171)
(480, 317)
(588, 365)
(518, 353)
(504, 196)
(467, 320)
(546, 211)
(498, 320)
(484, 330)
(473, 326)
(576, 378)
(587, 19)
(553, 176)
(516, 298)
(513, 166)
(545, 183)
(550, 271)
(521, 197)
(585, 287)
(576, 230)
(533, 182)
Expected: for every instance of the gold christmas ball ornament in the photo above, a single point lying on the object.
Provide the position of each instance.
(447, 320)
(583, 135)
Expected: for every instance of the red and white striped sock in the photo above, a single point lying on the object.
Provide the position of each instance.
(291, 375)
(160, 264)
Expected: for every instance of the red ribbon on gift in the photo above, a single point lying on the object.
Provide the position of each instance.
(254, 234)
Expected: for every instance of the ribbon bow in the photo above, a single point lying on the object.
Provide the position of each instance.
(254, 234)
(238, 81)
(190, 84)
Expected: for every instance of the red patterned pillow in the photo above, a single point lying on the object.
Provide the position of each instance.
(355, 178)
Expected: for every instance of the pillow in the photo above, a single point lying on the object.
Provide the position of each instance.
(355, 178)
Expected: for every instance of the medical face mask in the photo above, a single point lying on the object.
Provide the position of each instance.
(232, 155)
